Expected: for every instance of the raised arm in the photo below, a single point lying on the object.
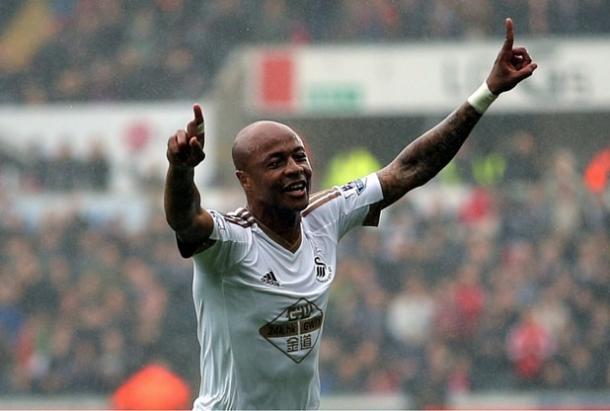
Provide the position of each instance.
(192, 224)
(423, 158)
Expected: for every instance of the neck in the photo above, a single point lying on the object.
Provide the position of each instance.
(282, 225)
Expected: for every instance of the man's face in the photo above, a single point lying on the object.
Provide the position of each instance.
(279, 171)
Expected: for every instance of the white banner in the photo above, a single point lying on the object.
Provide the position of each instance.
(424, 78)
(133, 136)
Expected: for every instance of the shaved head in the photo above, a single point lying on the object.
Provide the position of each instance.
(273, 169)
(254, 136)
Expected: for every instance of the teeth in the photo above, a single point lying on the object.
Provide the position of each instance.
(296, 186)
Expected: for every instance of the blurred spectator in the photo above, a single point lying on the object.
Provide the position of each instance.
(97, 168)
(410, 312)
(64, 171)
(566, 193)
(522, 159)
(529, 346)
(152, 387)
(469, 298)
(275, 25)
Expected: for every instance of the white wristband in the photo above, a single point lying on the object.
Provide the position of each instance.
(482, 98)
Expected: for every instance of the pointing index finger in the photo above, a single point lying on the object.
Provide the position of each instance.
(198, 113)
(198, 118)
(508, 42)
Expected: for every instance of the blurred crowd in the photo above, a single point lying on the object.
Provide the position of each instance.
(58, 171)
(76, 50)
(84, 304)
(510, 288)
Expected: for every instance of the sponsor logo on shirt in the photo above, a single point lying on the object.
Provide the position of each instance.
(323, 271)
(296, 330)
(356, 186)
(269, 278)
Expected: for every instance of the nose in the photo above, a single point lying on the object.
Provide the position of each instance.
(293, 167)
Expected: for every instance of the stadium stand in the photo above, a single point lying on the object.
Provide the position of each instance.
(165, 49)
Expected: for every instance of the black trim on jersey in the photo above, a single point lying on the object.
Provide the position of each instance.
(240, 217)
(319, 199)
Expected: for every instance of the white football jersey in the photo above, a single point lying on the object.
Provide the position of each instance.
(260, 307)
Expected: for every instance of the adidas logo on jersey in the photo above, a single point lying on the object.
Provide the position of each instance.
(270, 279)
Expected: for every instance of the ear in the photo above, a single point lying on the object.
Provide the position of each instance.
(244, 179)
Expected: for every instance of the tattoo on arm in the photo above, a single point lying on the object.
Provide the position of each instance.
(192, 224)
(427, 155)
(182, 199)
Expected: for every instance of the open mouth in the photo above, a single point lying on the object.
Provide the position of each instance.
(298, 188)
